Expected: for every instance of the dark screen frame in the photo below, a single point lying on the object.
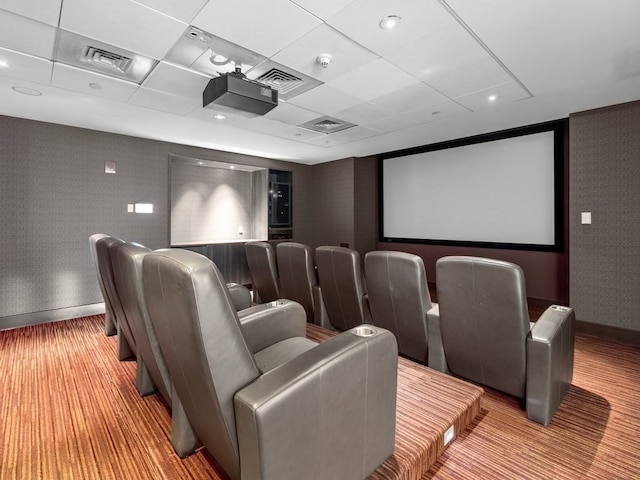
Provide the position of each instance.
(560, 129)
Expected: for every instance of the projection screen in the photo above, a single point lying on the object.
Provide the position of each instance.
(502, 192)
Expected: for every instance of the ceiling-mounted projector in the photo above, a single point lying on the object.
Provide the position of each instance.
(235, 90)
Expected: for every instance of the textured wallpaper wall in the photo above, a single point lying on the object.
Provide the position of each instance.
(54, 194)
(604, 271)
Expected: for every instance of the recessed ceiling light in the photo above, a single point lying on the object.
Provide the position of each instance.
(492, 98)
(232, 167)
(95, 86)
(389, 22)
(436, 112)
(219, 116)
(27, 91)
(3, 64)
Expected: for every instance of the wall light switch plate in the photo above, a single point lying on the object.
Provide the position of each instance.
(585, 218)
(130, 208)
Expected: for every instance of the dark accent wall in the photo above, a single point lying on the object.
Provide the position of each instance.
(333, 198)
(344, 195)
(605, 180)
(54, 194)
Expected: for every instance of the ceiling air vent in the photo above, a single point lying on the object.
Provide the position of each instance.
(288, 82)
(106, 59)
(327, 125)
(282, 81)
(99, 57)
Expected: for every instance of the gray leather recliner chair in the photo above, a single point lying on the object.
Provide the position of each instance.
(152, 373)
(299, 281)
(481, 331)
(263, 268)
(126, 343)
(343, 287)
(399, 299)
(109, 317)
(292, 410)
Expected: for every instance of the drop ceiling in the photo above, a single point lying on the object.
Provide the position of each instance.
(450, 69)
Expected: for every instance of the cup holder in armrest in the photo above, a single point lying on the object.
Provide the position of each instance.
(363, 331)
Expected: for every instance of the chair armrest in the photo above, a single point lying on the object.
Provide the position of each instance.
(268, 323)
(328, 413)
(550, 347)
(366, 309)
(320, 315)
(240, 296)
(437, 358)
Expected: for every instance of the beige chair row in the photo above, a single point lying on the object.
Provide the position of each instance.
(233, 378)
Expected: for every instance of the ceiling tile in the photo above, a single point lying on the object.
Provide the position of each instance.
(25, 35)
(469, 78)
(432, 113)
(46, 12)
(265, 125)
(360, 20)
(373, 80)
(352, 134)
(442, 50)
(303, 53)
(83, 81)
(325, 99)
(123, 23)
(323, 9)
(163, 102)
(184, 10)
(507, 92)
(409, 98)
(25, 67)
(264, 27)
(176, 80)
(298, 134)
(554, 47)
(196, 47)
(364, 113)
(231, 116)
(291, 114)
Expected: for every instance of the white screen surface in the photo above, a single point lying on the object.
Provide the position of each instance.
(500, 191)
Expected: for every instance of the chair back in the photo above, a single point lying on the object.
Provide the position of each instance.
(202, 342)
(297, 274)
(484, 321)
(342, 284)
(109, 320)
(105, 248)
(261, 259)
(128, 269)
(399, 299)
